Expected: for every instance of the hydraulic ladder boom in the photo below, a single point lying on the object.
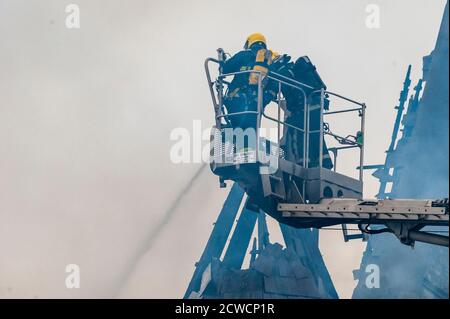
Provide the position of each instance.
(404, 218)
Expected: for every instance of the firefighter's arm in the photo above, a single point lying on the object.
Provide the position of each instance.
(234, 63)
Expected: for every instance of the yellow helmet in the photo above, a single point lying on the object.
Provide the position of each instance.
(253, 38)
(275, 54)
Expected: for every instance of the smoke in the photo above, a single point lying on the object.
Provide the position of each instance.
(423, 173)
(86, 115)
(156, 230)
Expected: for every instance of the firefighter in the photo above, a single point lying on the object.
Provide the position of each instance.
(242, 93)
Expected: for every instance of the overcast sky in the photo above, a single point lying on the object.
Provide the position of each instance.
(86, 115)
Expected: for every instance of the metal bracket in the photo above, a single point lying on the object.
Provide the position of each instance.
(348, 237)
